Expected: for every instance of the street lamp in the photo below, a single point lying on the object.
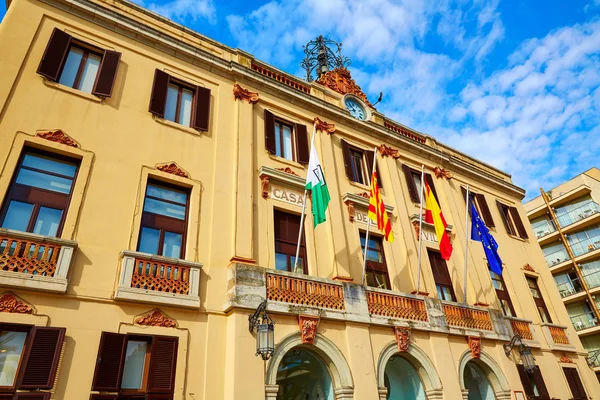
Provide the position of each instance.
(524, 351)
(265, 331)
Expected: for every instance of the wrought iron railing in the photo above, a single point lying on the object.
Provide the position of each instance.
(294, 290)
(396, 306)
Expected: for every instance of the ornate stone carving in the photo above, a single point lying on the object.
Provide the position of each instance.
(475, 346)
(416, 226)
(365, 195)
(440, 172)
(388, 151)
(12, 304)
(239, 93)
(324, 126)
(58, 136)
(351, 210)
(173, 168)
(566, 359)
(339, 80)
(264, 186)
(528, 267)
(402, 338)
(287, 170)
(308, 328)
(156, 318)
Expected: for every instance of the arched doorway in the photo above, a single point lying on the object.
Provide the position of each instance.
(482, 378)
(402, 380)
(302, 375)
(477, 383)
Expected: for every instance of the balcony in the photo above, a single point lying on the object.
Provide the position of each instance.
(585, 246)
(543, 228)
(160, 280)
(592, 279)
(522, 328)
(578, 214)
(557, 257)
(35, 262)
(573, 286)
(584, 321)
(467, 317)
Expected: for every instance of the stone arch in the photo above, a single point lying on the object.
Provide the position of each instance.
(420, 361)
(333, 358)
(493, 373)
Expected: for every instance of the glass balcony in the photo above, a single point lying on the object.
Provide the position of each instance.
(556, 257)
(586, 210)
(570, 287)
(584, 321)
(586, 245)
(592, 279)
(543, 227)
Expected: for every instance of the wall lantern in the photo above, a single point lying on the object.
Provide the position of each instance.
(265, 331)
(524, 351)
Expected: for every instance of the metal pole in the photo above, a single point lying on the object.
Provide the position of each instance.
(364, 271)
(466, 238)
(420, 228)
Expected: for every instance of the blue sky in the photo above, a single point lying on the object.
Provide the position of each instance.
(513, 83)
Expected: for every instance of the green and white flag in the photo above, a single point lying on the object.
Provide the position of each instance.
(315, 182)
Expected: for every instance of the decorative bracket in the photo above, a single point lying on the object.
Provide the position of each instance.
(386, 151)
(239, 93)
(308, 328)
(324, 126)
(173, 168)
(156, 318)
(14, 304)
(264, 186)
(402, 338)
(351, 210)
(58, 136)
(475, 346)
(440, 172)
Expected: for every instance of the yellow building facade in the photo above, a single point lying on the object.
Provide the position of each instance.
(152, 181)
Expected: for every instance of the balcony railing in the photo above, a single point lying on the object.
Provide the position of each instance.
(584, 321)
(543, 228)
(467, 317)
(577, 214)
(156, 279)
(395, 306)
(570, 287)
(306, 292)
(585, 246)
(556, 257)
(34, 261)
(522, 328)
(559, 335)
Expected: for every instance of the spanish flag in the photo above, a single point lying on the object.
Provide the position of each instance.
(433, 215)
(377, 211)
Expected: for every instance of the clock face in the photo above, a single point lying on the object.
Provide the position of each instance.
(355, 108)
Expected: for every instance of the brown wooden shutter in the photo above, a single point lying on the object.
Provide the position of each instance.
(159, 396)
(32, 396)
(107, 73)
(441, 275)
(539, 382)
(41, 358)
(104, 396)
(369, 155)
(485, 210)
(346, 154)
(504, 218)
(109, 363)
(413, 191)
(575, 384)
(302, 144)
(518, 222)
(270, 132)
(429, 181)
(201, 109)
(525, 381)
(158, 97)
(161, 375)
(55, 55)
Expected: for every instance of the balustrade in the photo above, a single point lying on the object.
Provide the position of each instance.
(306, 292)
(466, 317)
(395, 306)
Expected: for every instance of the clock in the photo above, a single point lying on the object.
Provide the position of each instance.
(357, 110)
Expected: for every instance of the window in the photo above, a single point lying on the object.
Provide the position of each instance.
(136, 365)
(359, 164)
(78, 65)
(533, 383)
(577, 390)
(481, 206)
(376, 272)
(539, 301)
(164, 220)
(287, 227)
(512, 221)
(502, 293)
(413, 182)
(39, 194)
(180, 102)
(285, 139)
(441, 275)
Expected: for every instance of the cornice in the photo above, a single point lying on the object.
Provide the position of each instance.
(363, 202)
(282, 176)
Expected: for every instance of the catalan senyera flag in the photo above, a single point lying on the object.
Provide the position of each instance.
(433, 215)
(377, 211)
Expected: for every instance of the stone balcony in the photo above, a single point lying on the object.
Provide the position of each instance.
(35, 262)
(160, 280)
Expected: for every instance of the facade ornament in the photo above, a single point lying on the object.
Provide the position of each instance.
(264, 186)
(58, 136)
(351, 210)
(287, 170)
(13, 304)
(239, 93)
(388, 151)
(324, 126)
(528, 267)
(475, 346)
(440, 172)
(308, 328)
(566, 359)
(481, 304)
(364, 195)
(339, 80)
(417, 229)
(173, 168)
(156, 318)
(402, 338)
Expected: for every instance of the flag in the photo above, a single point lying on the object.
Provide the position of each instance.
(481, 233)
(315, 182)
(377, 211)
(433, 215)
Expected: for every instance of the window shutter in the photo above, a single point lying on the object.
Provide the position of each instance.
(503, 216)
(201, 109)
(55, 55)
(270, 132)
(107, 73)
(104, 397)
(441, 275)
(41, 358)
(413, 191)
(158, 97)
(575, 384)
(32, 396)
(485, 210)
(109, 363)
(346, 154)
(161, 396)
(302, 144)
(517, 220)
(525, 381)
(369, 155)
(539, 382)
(429, 181)
(161, 375)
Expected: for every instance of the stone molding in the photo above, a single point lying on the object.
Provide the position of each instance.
(402, 338)
(281, 175)
(156, 318)
(324, 126)
(495, 374)
(239, 93)
(474, 343)
(363, 202)
(11, 303)
(440, 172)
(566, 359)
(172, 168)
(58, 136)
(387, 151)
(308, 328)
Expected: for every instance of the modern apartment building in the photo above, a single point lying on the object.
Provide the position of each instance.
(566, 222)
(151, 187)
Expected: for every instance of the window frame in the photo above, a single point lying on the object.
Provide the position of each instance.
(289, 243)
(6, 326)
(87, 50)
(355, 165)
(149, 339)
(281, 123)
(502, 294)
(374, 266)
(538, 301)
(181, 86)
(438, 267)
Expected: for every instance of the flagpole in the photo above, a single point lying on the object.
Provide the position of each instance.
(364, 270)
(466, 238)
(420, 228)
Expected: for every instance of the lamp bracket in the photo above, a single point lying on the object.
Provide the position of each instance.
(259, 316)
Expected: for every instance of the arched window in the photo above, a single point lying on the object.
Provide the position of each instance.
(477, 383)
(402, 380)
(302, 375)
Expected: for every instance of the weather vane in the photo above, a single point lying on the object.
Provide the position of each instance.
(319, 57)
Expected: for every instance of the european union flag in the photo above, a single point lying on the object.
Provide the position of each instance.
(481, 233)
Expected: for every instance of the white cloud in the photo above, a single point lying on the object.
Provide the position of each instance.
(185, 10)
